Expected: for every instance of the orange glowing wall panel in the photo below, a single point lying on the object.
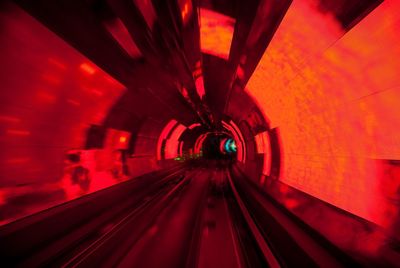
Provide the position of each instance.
(50, 94)
(335, 98)
(216, 31)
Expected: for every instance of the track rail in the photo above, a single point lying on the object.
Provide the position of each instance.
(264, 247)
(159, 197)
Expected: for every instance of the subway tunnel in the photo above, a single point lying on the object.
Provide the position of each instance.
(200, 133)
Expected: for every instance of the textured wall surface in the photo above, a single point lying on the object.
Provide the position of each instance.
(47, 96)
(334, 95)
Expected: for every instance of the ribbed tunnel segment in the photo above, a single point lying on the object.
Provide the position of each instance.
(207, 133)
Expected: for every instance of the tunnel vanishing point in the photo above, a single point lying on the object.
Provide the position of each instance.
(200, 133)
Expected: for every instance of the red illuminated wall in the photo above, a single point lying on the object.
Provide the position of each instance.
(145, 149)
(334, 96)
(50, 94)
(172, 143)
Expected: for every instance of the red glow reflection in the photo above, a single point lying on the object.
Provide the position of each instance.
(9, 119)
(200, 86)
(192, 126)
(18, 132)
(163, 136)
(186, 10)
(17, 160)
(123, 37)
(172, 143)
(199, 143)
(148, 12)
(87, 68)
(57, 63)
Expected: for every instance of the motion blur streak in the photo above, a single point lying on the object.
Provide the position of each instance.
(199, 133)
(163, 136)
(194, 125)
(172, 143)
(121, 34)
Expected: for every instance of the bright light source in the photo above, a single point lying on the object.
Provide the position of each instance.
(230, 146)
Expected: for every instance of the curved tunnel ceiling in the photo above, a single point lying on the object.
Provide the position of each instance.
(308, 89)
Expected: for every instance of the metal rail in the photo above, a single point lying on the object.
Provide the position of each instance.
(86, 253)
(269, 256)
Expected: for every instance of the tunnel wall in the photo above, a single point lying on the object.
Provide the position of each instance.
(55, 101)
(253, 166)
(47, 96)
(148, 148)
(334, 95)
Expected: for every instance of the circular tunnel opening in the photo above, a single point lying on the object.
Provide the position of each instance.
(228, 146)
(219, 146)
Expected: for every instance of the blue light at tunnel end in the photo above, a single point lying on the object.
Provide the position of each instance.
(230, 146)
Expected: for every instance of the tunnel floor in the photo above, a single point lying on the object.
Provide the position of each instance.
(199, 215)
